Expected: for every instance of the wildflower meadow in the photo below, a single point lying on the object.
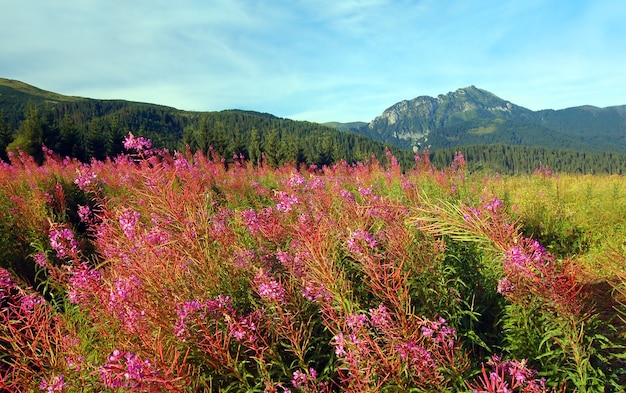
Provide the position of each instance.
(159, 271)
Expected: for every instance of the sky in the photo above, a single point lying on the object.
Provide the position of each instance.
(317, 60)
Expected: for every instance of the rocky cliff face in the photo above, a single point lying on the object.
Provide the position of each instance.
(411, 121)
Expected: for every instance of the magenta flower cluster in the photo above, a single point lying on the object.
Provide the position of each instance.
(123, 301)
(509, 376)
(137, 143)
(286, 202)
(192, 312)
(523, 259)
(268, 288)
(55, 384)
(360, 241)
(62, 241)
(128, 221)
(127, 370)
(84, 284)
(85, 179)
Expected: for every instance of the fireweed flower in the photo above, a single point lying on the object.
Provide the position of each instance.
(244, 328)
(183, 312)
(296, 181)
(41, 259)
(380, 317)
(62, 241)
(339, 342)
(313, 292)
(251, 220)
(416, 356)
(242, 258)
(505, 287)
(128, 221)
(300, 379)
(359, 238)
(438, 332)
(268, 288)
(139, 144)
(494, 205)
(347, 195)
(127, 370)
(84, 284)
(84, 179)
(84, 213)
(356, 321)
(6, 283)
(286, 202)
(123, 298)
(524, 258)
(29, 301)
(56, 384)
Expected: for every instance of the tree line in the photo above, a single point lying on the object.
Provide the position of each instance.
(95, 129)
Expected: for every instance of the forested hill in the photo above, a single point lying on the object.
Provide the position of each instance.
(90, 128)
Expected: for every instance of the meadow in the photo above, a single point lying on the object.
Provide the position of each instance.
(178, 272)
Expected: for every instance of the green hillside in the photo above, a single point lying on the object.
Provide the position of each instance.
(493, 134)
(90, 128)
(471, 116)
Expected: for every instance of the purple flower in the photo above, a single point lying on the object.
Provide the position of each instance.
(183, 311)
(84, 213)
(139, 144)
(268, 288)
(127, 370)
(128, 221)
(339, 343)
(505, 287)
(286, 202)
(6, 283)
(41, 259)
(84, 179)
(56, 384)
(494, 205)
(123, 299)
(84, 284)
(62, 241)
(359, 238)
(356, 321)
(380, 317)
(251, 220)
(312, 292)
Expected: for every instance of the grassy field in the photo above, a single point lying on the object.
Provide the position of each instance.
(159, 271)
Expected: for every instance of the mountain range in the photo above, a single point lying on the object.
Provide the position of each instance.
(471, 116)
(493, 133)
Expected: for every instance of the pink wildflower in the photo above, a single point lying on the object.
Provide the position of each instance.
(128, 221)
(127, 371)
(139, 144)
(268, 288)
(85, 179)
(62, 241)
(56, 384)
(41, 259)
(84, 284)
(286, 202)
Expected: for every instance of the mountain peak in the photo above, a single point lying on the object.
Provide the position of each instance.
(413, 120)
(471, 115)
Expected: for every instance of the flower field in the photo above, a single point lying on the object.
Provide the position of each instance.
(174, 272)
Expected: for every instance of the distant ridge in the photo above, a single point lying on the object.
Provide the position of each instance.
(471, 116)
(494, 135)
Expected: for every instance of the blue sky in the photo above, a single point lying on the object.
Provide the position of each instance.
(317, 60)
